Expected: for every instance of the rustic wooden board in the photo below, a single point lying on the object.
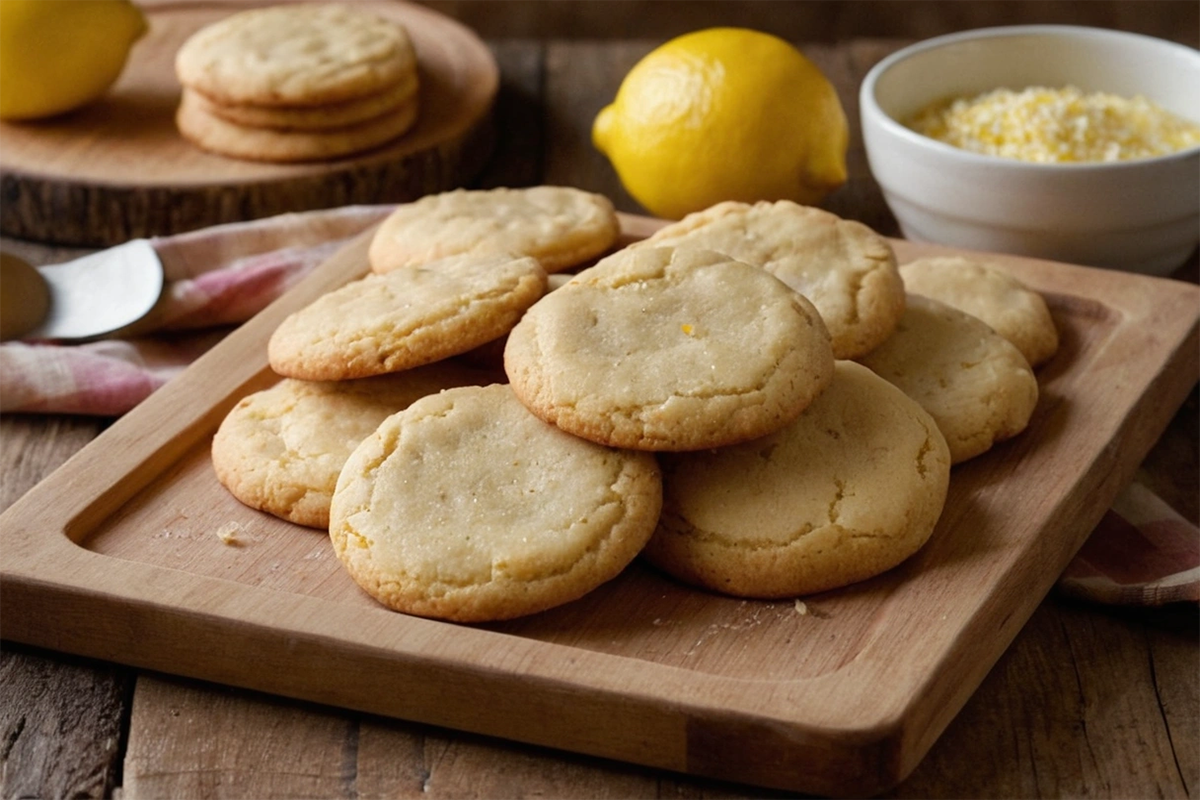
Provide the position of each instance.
(119, 169)
(116, 556)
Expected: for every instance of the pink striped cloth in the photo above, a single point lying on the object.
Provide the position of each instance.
(1142, 552)
(215, 279)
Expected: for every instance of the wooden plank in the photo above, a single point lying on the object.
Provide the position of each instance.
(581, 78)
(1170, 469)
(191, 739)
(1108, 702)
(1069, 711)
(61, 717)
(520, 135)
(1171, 638)
(61, 724)
(860, 198)
(34, 447)
(197, 740)
(828, 21)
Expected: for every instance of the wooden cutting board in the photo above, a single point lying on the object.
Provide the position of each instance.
(119, 169)
(118, 556)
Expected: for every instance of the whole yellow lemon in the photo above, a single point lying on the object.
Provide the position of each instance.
(724, 114)
(57, 55)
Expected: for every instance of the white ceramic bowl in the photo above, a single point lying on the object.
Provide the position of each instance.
(1142, 216)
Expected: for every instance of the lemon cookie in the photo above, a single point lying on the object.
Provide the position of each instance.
(218, 135)
(972, 381)
(466, 507)
(849, 490)
(409, 317)
(280, 450)
(313, 118)
(846, 269)
(987, 291)
(669, 349)
(296, 54)
(560, 226)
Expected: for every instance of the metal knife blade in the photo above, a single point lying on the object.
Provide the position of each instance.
(101, 292)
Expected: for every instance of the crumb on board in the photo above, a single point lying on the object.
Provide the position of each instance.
(801, 608)
(229, 533)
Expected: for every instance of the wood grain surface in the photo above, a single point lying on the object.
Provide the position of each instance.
(1087, 701)
(813, 21)
(119, 168)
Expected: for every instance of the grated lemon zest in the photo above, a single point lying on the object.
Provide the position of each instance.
(1045, 125)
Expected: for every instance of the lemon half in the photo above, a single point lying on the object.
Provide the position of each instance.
(724, 114)
(57, 55)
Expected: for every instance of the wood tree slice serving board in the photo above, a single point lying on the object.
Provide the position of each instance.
(118, 556)
(119, 169)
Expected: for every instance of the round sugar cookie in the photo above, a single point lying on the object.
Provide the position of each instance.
(280, 450)
(217, 135)
(843, 267)
(406, 318)
(466, 507)
(669, 349)
(296, 54)
(313, 118)
(849, 490)
(971, 380)
(560, 226)
(987, 291)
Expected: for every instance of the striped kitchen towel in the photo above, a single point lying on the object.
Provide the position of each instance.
(215, 278)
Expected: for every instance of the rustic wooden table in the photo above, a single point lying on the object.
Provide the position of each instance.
(1089, 701)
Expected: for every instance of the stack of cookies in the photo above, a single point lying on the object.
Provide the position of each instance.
(301, 82)
(749, 399)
